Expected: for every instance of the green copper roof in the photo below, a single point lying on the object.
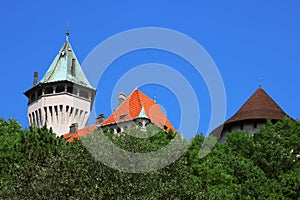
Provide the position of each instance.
(142, 113)
(60, 68)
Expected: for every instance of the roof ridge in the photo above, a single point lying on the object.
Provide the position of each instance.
(139, 99)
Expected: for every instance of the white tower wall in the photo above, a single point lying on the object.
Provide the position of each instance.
(59, 111)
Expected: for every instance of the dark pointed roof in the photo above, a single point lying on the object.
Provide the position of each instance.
(259, 106)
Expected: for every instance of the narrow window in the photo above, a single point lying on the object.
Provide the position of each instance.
(56, 112)
(255, 125)
(46, 114)
(71, 111)
(33, 117)
(50, 109)
(118, 130)
(40, 117)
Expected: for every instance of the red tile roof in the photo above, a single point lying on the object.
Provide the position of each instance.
(259, 106)
(131, 108)
(82, 132)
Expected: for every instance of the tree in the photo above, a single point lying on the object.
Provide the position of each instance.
(35, 164)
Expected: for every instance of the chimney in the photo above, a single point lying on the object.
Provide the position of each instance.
(35, 78)
(122, 97)
(100, 119)
(73, 128)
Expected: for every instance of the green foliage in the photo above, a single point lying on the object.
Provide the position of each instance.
(273, 145)
(35, 164)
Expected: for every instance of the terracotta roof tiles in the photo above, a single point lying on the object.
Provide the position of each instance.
(82, 132)
(131, 108)
(259, 106)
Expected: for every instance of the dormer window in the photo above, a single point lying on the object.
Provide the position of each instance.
(123, 117)
(73, 67)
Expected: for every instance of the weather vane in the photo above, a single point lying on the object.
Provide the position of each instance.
(260, 81)
(67, 30)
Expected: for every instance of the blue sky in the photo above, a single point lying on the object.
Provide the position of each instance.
(246, 39)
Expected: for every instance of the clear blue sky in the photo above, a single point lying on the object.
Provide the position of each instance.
(246, 39)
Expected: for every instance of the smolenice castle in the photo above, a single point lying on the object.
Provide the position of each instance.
(63, 98)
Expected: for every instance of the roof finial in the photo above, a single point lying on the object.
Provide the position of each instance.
(67, 31)
(154, 98)
(260, 81)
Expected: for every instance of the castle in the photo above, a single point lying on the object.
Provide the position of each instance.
(63, 100)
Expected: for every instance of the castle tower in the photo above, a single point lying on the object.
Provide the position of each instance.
(63, 97)
(252, 115)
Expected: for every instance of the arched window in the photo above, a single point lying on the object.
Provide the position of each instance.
(118, 130)
(84, 94)
(39, 93)
(60, 89)
(70, 89)
(140, 124)
(49, 90)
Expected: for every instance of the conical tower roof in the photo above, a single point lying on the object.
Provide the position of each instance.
(259, 106)
(60, 68)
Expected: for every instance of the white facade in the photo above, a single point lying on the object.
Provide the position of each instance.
(59, 110)
(248, 126)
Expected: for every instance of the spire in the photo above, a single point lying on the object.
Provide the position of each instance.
(67, 31)
(142, 113)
